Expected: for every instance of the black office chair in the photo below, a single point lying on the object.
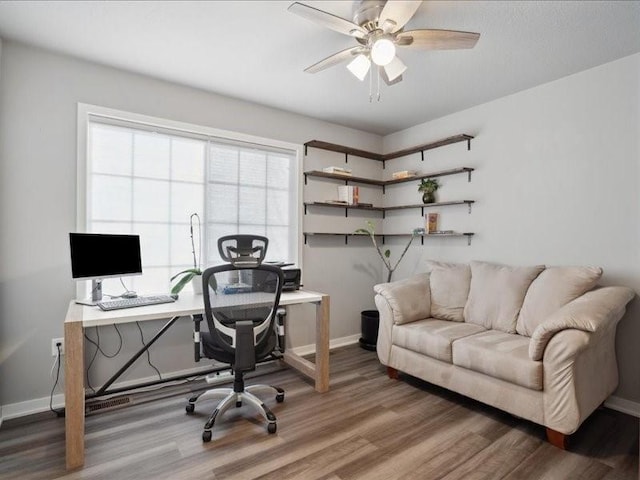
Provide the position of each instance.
(241, 302)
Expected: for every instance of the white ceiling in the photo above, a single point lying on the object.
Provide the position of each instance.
(257, 50)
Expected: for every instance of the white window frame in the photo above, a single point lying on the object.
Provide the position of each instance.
(86, 111)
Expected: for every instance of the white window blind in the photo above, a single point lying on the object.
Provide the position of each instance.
(149, 181)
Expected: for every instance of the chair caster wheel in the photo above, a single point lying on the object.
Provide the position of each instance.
(190, 407)
(206, 436)
(272, 427)
(280, 397)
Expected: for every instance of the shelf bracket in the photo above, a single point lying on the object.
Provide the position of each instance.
(346, 239)
(305, 238)
(468, 144)
(346, 158)
(469, 176)
(305, 208)
(305, 150)
(383, 239)
(383, 214)
(422, 240)
(346, 212)
(422, 209)
(384, 164)
(383, 189)
(468, 240)
(469, 208)
(422, 155)
(305, 176)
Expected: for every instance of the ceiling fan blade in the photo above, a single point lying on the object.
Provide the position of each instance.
(396, 13)
(437, 39)
(386, 79)
(328, 20)
(334, 59)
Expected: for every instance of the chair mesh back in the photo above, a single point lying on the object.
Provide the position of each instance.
(235, 294)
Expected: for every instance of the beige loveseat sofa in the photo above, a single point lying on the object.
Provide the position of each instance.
(536, 342)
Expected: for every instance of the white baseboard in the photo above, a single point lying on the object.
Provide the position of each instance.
(37, 405)
(333, 343)
(623, 405)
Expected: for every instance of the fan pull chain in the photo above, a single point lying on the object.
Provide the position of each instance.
(378, 83)
(371, 85)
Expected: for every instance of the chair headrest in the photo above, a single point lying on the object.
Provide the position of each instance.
(243, 250)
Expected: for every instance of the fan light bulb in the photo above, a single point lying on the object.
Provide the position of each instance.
(383, 51)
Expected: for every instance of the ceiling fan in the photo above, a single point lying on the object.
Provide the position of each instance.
(377, 27)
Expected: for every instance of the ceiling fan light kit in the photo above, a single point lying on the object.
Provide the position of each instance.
(378, 26)
(383, 50)
(360, 66)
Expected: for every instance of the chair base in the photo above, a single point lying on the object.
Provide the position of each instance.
(233, 398)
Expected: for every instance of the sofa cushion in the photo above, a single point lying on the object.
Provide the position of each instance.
(551, 290)
(499, 355)
(449, 285)
(408, 298)
(432, 337)
(496, 294)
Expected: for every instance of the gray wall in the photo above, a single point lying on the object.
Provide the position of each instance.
(39, 92)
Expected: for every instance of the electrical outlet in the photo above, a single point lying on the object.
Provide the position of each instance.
(54, 347)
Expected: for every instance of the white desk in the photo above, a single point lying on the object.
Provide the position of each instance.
(80, 317)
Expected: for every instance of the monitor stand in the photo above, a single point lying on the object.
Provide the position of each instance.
(96, 294)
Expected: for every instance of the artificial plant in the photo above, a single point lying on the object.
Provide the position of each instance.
(189, 273)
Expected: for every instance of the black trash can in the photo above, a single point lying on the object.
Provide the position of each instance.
(369, 321)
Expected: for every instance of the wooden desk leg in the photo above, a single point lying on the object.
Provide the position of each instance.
(322, 345)
(74, 394)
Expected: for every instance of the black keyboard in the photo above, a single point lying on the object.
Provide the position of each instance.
(135, 302)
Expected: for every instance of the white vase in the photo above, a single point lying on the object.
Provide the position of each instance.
(196, 283)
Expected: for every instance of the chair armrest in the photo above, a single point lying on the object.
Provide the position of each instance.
(591, 312)
(409, 299)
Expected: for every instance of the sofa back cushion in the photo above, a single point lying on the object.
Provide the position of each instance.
(551, 290)
(497, 293)
(449, 285)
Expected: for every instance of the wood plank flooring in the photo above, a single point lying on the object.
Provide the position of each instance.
(366, 427)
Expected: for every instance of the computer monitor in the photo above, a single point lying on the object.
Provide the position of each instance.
(95, 256)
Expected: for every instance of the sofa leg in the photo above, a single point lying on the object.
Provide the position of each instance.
(557, 439)
(392, 373)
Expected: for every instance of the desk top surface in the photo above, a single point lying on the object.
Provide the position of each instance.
(187, 304)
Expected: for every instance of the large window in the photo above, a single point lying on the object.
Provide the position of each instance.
(148, 180)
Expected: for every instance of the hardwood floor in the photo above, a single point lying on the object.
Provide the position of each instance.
(366, 427)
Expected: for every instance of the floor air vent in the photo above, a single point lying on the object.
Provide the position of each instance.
(110, 404)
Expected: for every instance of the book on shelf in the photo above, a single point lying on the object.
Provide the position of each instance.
(431, 223)
(404, 174)
(337, 170)
(349, 194)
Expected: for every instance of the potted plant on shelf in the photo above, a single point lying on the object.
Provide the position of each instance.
(193, 275)
(428, 187)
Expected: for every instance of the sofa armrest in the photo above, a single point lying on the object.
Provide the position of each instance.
(409, 299)
(594, 311)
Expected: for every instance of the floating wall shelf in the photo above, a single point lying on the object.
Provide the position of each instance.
(346, 236)
(421, 206)
(389, 156)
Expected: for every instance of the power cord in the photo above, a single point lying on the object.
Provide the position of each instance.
(59, 413)
(96, 343)
(148, 355)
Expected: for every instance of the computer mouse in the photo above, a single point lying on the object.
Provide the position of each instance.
(129, 295)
